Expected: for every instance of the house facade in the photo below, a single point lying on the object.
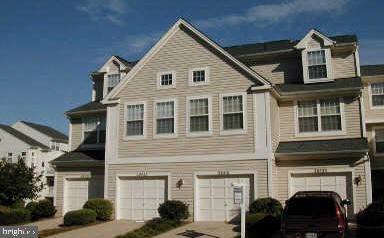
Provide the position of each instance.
(37, 145)
(191, 118)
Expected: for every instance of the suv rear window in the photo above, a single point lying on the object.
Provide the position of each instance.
(311, 206)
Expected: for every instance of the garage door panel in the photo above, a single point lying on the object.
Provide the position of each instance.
(76, 194)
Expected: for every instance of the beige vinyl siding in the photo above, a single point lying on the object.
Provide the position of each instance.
(60, 175)
(314, 42)
(284, 167)
(343, 64)
(371, 114)
(186, 172)
(76, 133)
(352, 121)
(180, 54)
(275, 128)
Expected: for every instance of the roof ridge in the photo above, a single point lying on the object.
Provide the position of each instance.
(18, 134)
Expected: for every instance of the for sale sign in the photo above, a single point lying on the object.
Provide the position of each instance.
(237, 195)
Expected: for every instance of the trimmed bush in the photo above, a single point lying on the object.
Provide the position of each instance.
(173, 210)
(41, 209)
(102, 207)
(372, 215)
(266, 205)
(79, 217)
(18, 204)
(32, 207)
(14, 216)
(152, 228)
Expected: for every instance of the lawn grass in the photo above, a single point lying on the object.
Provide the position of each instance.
(62, 228)
(153, 228)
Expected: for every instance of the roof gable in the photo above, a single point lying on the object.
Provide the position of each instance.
(26, 139)
(309, 36)
(124, 64)
(48, 131)
(164, 39)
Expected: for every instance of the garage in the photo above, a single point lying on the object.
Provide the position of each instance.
(139, 199)
(215, 197)
(75, 193)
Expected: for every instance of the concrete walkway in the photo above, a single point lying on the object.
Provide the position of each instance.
(50, 223)
(202, 230)
(104, 230)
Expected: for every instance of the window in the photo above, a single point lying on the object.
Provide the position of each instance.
(319, 116)
(113, 80)
(166, 80)
(94, 130)
(23, 155)
(50, 181)
(199, 115)
(135, 120)
(55, 146)
(379, 140)
(9, 158)
(233, 118)
(198, 76)
(165, 117)
(377, 91)
(317, 66)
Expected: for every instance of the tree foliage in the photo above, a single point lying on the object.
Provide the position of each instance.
(18, 182)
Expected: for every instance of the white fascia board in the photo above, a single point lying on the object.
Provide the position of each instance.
(303, 43)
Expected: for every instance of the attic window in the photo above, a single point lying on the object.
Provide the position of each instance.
(113, 80)
(317, 64)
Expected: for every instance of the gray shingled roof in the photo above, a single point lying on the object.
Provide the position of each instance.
(271, 46)
(22, 136)
(372, 70)
(49, 131)
(126, 62)
(80, 156)
(91, 106)
(345, 83)
(323, 146)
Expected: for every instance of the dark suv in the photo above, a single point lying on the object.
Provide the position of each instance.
(314, 215)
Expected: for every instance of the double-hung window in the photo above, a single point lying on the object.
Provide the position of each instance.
(377, 92)
(135, 120)
(379, 140)
(199, 110)
(9, 158)
(317, 64)
(166, 80)
(23, 155)
(319, 116)
(165, 118)
(113, 80)
(233, 109)
(93, 130)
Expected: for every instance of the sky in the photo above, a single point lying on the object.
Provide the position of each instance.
(48, 48)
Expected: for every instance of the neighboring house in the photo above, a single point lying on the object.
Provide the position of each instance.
(37, 145)
(191, 118)
(373, 80)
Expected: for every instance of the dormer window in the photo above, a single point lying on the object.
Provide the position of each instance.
(113, 80)
(317, 64)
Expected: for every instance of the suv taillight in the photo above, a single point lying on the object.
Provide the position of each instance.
(340, 219)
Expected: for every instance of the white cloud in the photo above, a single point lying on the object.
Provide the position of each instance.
(371, 51)
(109, 10)
(269, 13)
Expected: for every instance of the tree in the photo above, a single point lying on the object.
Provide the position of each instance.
(18, 182)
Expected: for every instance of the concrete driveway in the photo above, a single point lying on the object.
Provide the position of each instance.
(45, 224)
(104, 230)
(202, 230)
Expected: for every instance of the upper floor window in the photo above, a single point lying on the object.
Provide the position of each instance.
(319, 115)
(317, 65)
(377, 92)
(379, 140)
(198, 76)
(199, 115)
(135, 119)
(165, 117)
(233, 110)
(113, 80)
(94, 130)
(55, 146)
(166, 80)
(9, 158)
(23, 155)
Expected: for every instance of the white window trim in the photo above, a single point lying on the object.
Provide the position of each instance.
(137, 137)
(83, 130)
(170, 135)
(158, 80)
(221, 110)
(187, 127)
(374, 140)
(190, 76)
(370, 97)
(328, 63)
(343, 130)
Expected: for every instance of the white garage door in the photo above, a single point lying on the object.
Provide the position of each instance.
(139, 199)
(215, 198)
(75, 194)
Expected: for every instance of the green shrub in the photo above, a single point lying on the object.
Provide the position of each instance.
(173, 210)
(18, 204)
(266, 205)
(372, 215)
(32, 207)
(152, 228)
(41, 209)
(79, 217)
(102, 207)
(262, 224)
(14, 216)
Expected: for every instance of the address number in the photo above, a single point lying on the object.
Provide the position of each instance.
(223, 172)
(320, 171)
(142, 173)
